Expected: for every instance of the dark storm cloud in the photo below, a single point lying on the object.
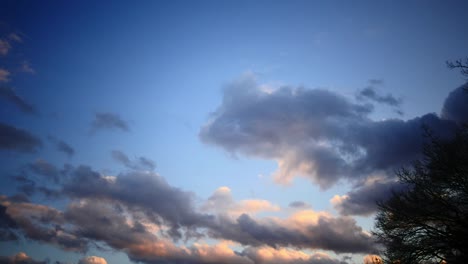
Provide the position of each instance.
(315, 133)
(62, 146)
(108, 121)
(140, 163)
(12, 138)
(9, 95)
(363, 200)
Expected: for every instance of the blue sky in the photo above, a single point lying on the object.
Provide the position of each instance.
(236, 109)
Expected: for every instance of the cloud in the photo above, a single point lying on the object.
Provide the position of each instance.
(370, 93)
(27, 68)
(4, 47)
(108, 121)
(17, 139)
(7, 225)
(15, 37)
(363, 199)
(44, 168)
(315, 133)
(140, 163)
(145, 190)
(372, 259)
(455, 107)
(9, 95)
(298, 204)
(4, 76)
(92, 260)
(41, 223)
(62, 146)
(268, 255)
(140, 214)
(222, 202)
(20, 258)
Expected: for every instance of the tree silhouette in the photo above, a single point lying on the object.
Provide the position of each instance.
(428, 223)
(460, 64)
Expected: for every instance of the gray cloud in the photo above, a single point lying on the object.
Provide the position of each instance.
(363, 199)
(315, 133)
(7, 225)
(147, 191)
(13, 138)
(109, 121)
(41, 223)
(140, 163)
(44, 168)
(455, 106)
(9, 95)
(336, 234)
(117, 210)
(371, 94)
(62, 146)
(298, 204)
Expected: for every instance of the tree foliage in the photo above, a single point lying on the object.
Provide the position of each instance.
(428, 222)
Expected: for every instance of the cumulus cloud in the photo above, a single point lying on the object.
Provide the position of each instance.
(268, 255)
(9, 95)
(92, 260)
(314, 133)
(372, 259)
(222, 202)
(140, 214)
(17, 139)
(108, 121)
(140, 163)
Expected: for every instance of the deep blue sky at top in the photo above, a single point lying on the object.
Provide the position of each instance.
(162, 66)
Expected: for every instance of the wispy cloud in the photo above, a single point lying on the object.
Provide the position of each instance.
(106, 120)
(9, 95)
(62, 146)
(140, 163)
(4, 47)
(4, 76)
(371, 93)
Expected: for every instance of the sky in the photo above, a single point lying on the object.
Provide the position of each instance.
(215, 131)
